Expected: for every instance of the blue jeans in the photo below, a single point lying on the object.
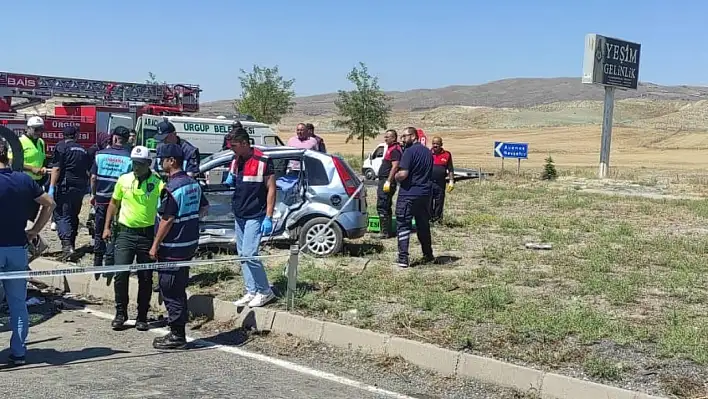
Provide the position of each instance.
(248, 240)
(13, 259)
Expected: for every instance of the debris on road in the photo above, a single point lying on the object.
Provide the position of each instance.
(531, 245)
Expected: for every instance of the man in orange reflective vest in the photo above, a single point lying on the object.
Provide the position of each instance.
(442, 171)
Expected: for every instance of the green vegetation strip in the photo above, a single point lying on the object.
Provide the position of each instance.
(629, 271)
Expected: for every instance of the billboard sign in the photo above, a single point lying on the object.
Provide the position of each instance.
(611, 62)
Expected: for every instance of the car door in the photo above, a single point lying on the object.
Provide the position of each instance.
(218, 226)
(289, 170)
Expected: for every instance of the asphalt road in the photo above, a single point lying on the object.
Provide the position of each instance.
(75, 354)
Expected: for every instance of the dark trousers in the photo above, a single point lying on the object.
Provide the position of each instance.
(130, 245)
(69, 201)
(101, 248)
(173, 287)
(408, 208)
(437, 201)
(384, 207)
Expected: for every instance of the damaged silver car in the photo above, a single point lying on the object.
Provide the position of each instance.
(312, 189)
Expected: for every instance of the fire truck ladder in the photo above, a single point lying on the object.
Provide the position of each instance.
(40, 88)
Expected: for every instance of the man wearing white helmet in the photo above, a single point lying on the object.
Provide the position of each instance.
(34, 153)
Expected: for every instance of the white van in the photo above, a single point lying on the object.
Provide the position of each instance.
(206, 134)
(373, 161)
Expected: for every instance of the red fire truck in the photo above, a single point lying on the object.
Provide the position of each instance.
(109, 101)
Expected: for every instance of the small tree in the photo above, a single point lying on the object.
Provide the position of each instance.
(265, 95)
(549, 170)
(363, 111)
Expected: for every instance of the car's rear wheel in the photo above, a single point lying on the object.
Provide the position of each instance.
(320, 239)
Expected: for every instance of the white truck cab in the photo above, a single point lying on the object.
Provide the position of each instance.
(372, 163)
(207, 134)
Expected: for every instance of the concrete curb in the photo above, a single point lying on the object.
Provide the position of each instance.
(430, 357)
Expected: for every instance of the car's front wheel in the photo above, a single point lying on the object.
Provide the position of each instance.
(369, 174)
(321, 238)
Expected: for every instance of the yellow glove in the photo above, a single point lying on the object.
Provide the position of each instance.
(387, 187)
(450, 187)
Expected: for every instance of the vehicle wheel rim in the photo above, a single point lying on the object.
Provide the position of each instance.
(323, 244)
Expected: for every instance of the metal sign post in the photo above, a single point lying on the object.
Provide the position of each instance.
(608, 111)
(612, 63)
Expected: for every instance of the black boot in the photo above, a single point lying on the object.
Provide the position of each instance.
(97, 262)
(385, 227)
(142, 325)
(66, 250)
(176, 339)
(119, 321)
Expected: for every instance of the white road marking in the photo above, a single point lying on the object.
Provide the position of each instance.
(267, 359)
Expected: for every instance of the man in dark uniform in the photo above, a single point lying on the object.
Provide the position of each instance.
(70, 176)
(166, 134)
(110, 164)
(181, 204)
(414, 174)
(443, 172)
(387, 183)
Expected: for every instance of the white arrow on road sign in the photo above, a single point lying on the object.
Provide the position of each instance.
(497, 149)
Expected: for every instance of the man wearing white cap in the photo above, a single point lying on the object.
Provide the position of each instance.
(137, 196)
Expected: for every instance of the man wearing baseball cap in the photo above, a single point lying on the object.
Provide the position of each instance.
(70, 175)
(137, 196)
(182, 203)
(167, 134)
(110, 164)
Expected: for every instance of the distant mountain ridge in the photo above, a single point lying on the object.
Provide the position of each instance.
(505, 93)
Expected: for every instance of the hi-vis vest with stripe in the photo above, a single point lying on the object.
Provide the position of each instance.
(183, 238)
(253, 169)
(111, 163)
(34, 155)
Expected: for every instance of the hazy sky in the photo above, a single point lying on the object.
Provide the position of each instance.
(407, 44)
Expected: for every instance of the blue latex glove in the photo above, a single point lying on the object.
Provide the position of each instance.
(229, 180)
(51, 191)
(266, 226)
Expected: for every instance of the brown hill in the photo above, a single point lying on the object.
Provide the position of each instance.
(515, 103)
(508, 93)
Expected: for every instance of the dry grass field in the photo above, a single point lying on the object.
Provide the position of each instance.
(577, 146)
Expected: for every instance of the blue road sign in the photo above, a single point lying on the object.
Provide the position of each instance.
(511, 150)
